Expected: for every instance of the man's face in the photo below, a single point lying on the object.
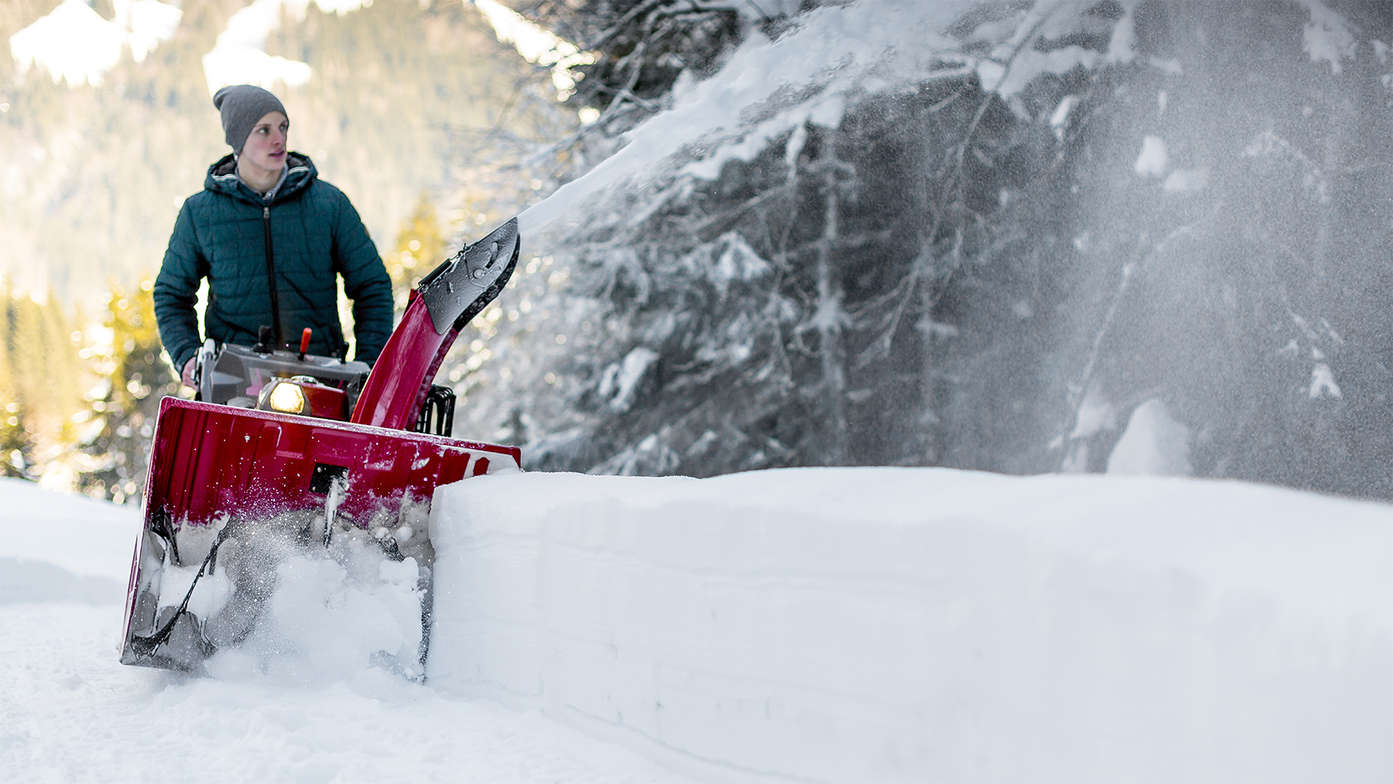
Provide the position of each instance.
(265, 146)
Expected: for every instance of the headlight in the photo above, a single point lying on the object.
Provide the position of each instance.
(287, 397)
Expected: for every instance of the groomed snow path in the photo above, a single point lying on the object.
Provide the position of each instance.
(70, 713)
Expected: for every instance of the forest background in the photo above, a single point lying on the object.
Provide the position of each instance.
(1066, 235)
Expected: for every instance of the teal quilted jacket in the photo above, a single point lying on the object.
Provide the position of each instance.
(280, 255)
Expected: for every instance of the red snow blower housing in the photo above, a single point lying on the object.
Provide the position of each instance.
(303, 451)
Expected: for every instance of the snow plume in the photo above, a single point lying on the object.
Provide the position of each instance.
(276, 607)
(1209, 154)
(768, 88)
(1226, 194)
(831, 57)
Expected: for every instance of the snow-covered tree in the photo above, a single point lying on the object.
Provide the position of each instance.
(1077, 212)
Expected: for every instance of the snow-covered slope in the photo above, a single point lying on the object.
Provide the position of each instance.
(800, 625)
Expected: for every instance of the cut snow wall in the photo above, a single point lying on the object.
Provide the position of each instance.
(887, 625)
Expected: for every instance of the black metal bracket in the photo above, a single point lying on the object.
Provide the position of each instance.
(437, 412)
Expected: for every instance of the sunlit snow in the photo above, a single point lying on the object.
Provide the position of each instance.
(76, 45)
(239, 54)
(535, 44)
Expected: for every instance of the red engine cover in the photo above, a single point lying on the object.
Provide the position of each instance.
(209, 459)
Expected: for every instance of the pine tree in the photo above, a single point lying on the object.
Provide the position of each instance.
(135, 376)
(14, 441)
(420, 246)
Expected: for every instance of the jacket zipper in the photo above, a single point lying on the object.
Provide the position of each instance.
(271, 279)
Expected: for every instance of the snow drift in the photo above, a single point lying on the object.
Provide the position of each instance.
(930, 625)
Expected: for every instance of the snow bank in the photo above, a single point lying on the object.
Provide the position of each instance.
(929, 625)
(58, 546)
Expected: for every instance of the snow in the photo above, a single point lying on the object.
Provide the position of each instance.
(1327, 38)
(1152, 160)
(930, 625)
(1095, 414)
(535, 44)
(1153, 444)
(239, 56)
(878, 624)
(768, 88)
(1061, 114)
(803, 625)
(1323, 383)
(72, 714)
(76, 45)
(1186, 180)
(327, 617)
(1028, 64)
(622, 382)
(148, 23)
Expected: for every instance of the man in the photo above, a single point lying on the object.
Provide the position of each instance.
(272, 239)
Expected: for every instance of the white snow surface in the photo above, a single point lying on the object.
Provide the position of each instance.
(1153, 444)
(71, 713)
(825, 625)
(76, 45)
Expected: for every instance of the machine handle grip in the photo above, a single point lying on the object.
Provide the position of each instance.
(304, 342)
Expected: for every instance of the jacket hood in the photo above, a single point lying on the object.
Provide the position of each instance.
(222, 178)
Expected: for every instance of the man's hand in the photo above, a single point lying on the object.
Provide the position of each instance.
(186, 376)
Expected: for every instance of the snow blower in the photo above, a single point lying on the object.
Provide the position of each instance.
(289, 453)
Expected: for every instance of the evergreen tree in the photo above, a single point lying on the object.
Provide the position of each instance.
(135, 376)
(14, 441)
(419, 248)
(1090, 209)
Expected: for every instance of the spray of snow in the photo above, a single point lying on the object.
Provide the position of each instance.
(766, 89)
(275, 607)
(332, 616)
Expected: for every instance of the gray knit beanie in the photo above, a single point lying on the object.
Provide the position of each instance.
(241, 105)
